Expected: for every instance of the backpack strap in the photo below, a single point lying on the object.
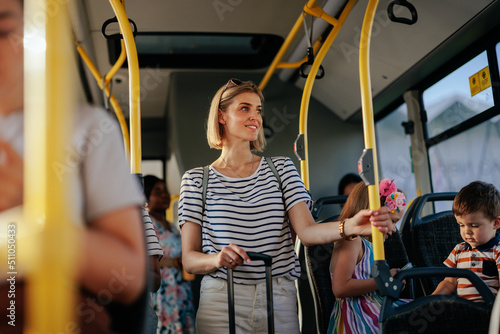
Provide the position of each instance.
(205, 186)
(275, 172)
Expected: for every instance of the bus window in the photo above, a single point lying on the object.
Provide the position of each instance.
(450, 101)
(497, 49)
(393, 147)
(153, 167)
(468, 156)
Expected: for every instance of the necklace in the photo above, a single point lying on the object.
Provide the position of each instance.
(251, 170)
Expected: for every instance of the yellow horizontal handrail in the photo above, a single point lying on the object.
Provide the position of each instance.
(112, 99)
(300, 62)
(281, 52)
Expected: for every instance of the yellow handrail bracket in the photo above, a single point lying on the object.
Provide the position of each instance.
(313, 9)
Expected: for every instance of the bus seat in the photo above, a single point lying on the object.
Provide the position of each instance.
(318, 273)
(438, 313)
(317, 268)
(430, 239)
(395, 252)
(433, 242)
(320, 203)
(397, 257)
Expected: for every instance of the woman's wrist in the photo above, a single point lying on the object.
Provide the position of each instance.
(346, 231)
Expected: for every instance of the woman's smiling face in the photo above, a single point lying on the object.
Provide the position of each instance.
(242, 118)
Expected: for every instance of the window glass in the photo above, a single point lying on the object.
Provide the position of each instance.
(450, 101)
(201, 50)
(469, 156)
(393, 148)
(497, 49)
(153, 167)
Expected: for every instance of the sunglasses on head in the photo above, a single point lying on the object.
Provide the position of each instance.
(234, 81)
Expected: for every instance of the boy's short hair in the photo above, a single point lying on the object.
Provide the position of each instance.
(477, 196)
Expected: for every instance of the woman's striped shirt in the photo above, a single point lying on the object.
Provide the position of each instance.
(248, 212)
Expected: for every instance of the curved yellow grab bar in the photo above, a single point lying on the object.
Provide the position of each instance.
(49, 106)
(312, 8)
(368, 122)
(309, 8)
(281, 52)
(306, 95)
(118, 64)
(297, 64)
(114, 103)
(134, 87)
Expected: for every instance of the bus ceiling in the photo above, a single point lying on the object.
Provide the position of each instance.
(398, 51)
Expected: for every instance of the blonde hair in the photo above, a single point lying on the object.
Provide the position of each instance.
(221, 100)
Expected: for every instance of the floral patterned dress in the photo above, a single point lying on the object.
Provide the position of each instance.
(173, 302)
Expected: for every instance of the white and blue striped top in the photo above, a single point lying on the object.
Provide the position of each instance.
(247, 212)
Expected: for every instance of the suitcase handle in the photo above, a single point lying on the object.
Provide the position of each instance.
(268, 261)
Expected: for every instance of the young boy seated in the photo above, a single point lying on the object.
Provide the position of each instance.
(477, 210)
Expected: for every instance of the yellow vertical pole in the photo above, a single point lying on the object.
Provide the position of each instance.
(368, 122)
(134, 87)
(48, 106)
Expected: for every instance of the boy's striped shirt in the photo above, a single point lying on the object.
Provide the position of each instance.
(484, 260)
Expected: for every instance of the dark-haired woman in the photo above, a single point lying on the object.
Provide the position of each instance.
(173, 302)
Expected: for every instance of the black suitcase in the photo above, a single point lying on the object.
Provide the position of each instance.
(268, 261)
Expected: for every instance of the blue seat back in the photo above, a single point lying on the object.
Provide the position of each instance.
(438, 313)
(318, 272)
(429, 239)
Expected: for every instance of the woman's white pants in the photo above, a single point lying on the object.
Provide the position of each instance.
(250, 307)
